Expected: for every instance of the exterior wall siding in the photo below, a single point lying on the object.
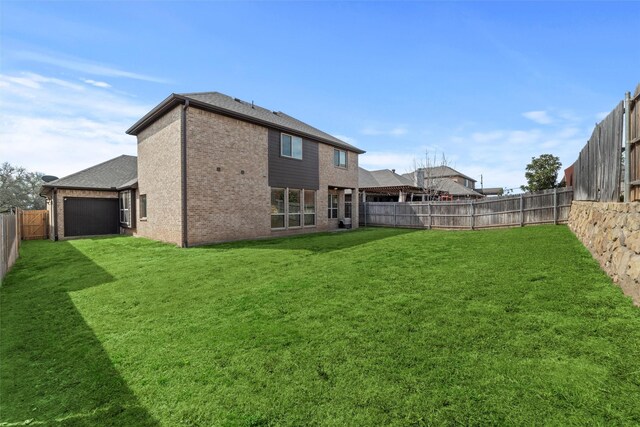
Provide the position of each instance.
(293, 173)
(159, 177)
(61, 194)
(332, 177)
(228, 196)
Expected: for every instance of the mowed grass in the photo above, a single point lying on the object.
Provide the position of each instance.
(370, 327)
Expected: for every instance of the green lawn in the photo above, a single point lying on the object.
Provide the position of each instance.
(372, 327)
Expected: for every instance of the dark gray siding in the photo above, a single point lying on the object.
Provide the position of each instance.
(293, 173)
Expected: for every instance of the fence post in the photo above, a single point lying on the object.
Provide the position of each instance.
(365, 213)
(395, 212)
(429, 215)
(473, 213)
(521, 210)
(627, 146)
(555, 206)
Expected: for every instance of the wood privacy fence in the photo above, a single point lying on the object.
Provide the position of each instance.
(547, 207)
(34, 224)
(632, 146)
(597, 172)
(600, 174)
(9, 242)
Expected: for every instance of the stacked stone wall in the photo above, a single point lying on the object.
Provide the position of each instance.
(611, 232)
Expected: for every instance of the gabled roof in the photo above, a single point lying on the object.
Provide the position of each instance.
(439, 172)
(383, 178)
(448, 185)
(114, 174)
(234, 107)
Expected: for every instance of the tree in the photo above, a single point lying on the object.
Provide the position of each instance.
(542, 173)
(424, 172)
(20, 188)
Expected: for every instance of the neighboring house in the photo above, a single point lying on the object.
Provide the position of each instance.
(212, 168)
(385, 186)
(491, 191)
(445, 180)
(94, 201)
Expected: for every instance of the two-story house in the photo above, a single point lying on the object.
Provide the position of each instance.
(212, 168)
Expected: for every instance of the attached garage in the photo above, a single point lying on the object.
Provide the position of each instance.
(90, 216)
(97, 201)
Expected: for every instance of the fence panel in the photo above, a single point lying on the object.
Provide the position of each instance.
(34, 224)
(598, 170)
(634, 146)
(9, 242)
(548, 207)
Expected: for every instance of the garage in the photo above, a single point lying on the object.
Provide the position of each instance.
(90, 216)
(100, 200)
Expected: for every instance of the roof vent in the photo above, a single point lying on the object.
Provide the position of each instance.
(237, 99)
(49, 178)
(275, 112)
(393, 170)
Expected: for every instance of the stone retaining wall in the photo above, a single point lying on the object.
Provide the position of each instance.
(611, 232)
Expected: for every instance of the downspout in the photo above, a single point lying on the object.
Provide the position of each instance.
(183, 160)
(55, 214)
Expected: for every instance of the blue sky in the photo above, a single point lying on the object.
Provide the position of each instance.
(489, 84)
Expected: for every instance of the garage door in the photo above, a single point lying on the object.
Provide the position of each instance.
(90, 217)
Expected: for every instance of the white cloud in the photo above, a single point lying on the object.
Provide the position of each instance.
(83, 66)
(395, 131)
(59, 127)
(540, 117)
(96, 83)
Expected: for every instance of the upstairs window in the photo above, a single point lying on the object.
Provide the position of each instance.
(290, 146)
(340, 158)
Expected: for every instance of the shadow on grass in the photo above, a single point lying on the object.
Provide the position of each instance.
(318, 242)
(53, 369)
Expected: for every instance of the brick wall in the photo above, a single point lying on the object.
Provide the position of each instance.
(611, 232)
(159, 177)
(61, 194)
(332, 177)
(231, 203)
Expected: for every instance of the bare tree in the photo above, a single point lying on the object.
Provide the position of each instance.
(427, 173)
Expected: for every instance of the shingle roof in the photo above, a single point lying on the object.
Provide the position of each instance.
(450, 186)
(244, 110)
(118, 173)
(383, 178)
(440, 172)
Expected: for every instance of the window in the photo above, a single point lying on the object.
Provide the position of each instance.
(347, 205)
(277, 208)
(290, 146)
(340, 158)
(299, 210)
(125, 208)
(333, 206)
(309, 208)
(143, 206)
(295, 212)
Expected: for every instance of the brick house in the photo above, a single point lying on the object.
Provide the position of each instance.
(212, 168)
